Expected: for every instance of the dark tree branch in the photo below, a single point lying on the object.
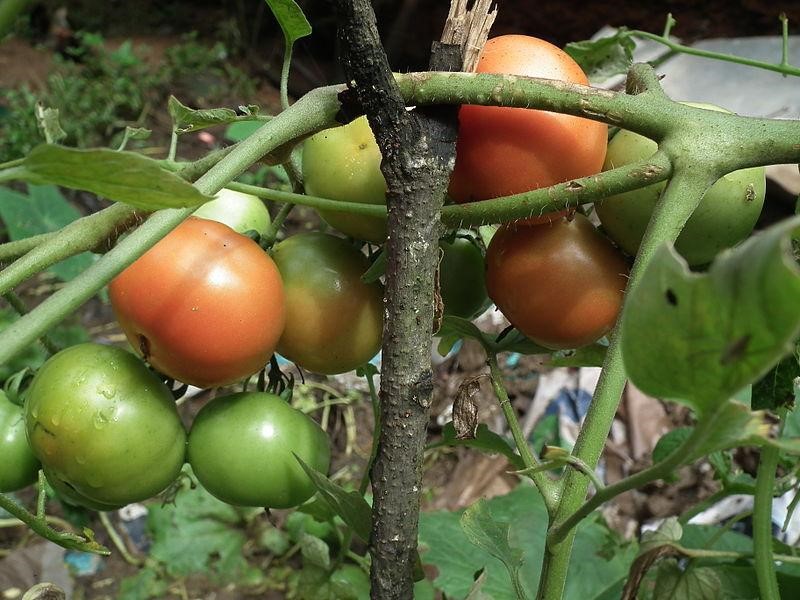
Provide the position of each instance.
(418, 151)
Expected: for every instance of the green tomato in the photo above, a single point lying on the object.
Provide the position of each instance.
(334, 321)
(350, 582)
(103, 423)
(71, 496)
(462, 280)
(18, 466)
(242, 449)
(241, 212)
(343, 163)
(725, 216)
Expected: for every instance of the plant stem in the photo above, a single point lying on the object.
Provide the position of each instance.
(73, 239)
(12, 163)
(762, 524)
(39, 526)
(536, 202)
(271, 234)
(118, 542)
(545, 485)
(784, 68)
(679, 199)
(19, 306)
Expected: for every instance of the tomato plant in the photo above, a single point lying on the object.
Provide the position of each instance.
(726, 214)
(205, 305)
(241, 212)
(18, 467)
(104, 424)
(462, 282)
(561, 284)
(334, 320)
(504, 151)
(242, 448)
(343, 163)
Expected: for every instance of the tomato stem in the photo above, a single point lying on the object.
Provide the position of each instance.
(545, 485)
(762, 524)
(679, 199)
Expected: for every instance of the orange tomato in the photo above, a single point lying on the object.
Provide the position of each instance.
(205, 305)
(503, 151)
(561, 284)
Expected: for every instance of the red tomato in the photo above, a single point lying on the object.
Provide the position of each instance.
(503, 151)
(561, 284)
(205, 305)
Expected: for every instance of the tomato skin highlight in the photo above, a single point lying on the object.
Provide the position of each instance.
(334, 321)
(241, 448)
(503, 151)
(560, 284)
(19, 467)
(205, 305)
(98, 419)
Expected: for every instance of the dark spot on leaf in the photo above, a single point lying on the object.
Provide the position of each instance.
(672, 298)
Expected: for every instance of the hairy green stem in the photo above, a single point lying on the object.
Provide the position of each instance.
(681, 196)
(545, 485)
(79, 236)
(762, 524)
(536, 202)
(783, 67)
(19, 306)
(39, 526)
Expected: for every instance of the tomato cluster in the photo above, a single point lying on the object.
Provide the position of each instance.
(208, 306)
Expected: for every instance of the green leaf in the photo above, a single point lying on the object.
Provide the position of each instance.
(236, 132)
(492, 536)
(199, 534)
(485, 440)
(457, 561)
(187, 120)
(700, 338)
(605, 57)
(144, 585)
(120, 176)
(350, 506)
(515, 341)
(315, 551)
(376, 269)
(49, 124)
(668, 442)
(668, 533)
(43, 210)
(779, 386)
(734, 425)
(593, 355)
(694, 583)
(291, 19)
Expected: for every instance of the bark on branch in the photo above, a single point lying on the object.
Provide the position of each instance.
(418, 152)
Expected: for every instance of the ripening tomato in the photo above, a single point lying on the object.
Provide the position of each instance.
(561, 284)
(242, 449)
(18, 465)
(503, 151)
(334, 321)
(241, 212)
(205, 305)
(725, 216)
(344, 163)
(102, 423)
